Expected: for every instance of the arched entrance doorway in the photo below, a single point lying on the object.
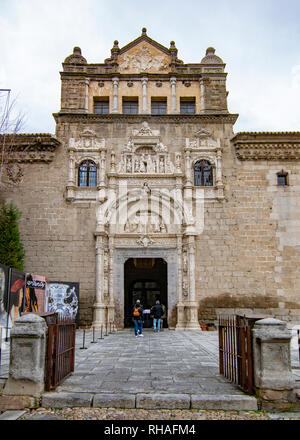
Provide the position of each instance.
(144, 279)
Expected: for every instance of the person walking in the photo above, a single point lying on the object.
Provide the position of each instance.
(163, 317)
(138, 318)
(156, 312)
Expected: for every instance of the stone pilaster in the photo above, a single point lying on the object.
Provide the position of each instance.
(173, 95)
(202, 95)
(180, 305)
(99, 306)
(192, 304)
(111, 304)
(144, 101)
(115, 108)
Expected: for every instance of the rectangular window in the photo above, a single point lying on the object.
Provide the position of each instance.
(130, 106)
(282, 179)
(158, 106)
(187, 106)
(101, 106)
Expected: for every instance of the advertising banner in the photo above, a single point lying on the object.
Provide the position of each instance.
(64, 299)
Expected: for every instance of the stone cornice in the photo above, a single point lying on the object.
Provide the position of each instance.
(30, 147)
(267, 145)
(216, 118)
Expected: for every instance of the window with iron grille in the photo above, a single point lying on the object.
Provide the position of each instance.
(101, 106)
(187, 106)
(130, 106)
(282, 178)
(87, 174)
(203, 173)
(158, 106)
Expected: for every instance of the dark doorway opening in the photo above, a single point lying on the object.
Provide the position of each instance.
(145, 279)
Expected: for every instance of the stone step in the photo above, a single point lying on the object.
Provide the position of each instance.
(150, 401)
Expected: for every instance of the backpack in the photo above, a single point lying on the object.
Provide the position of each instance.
(136, 312)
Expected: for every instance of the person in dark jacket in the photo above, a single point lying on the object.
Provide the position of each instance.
(138, 318)
(157, 312)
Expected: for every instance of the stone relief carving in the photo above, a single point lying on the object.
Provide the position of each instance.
(14, 173)
(87, 141)
(145, 222)
(145, 153)
(202, 138)
(143, 60)
(145, 241)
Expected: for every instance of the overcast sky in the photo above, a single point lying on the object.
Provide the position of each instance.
(257, 39)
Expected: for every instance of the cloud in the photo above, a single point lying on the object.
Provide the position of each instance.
(257, 40)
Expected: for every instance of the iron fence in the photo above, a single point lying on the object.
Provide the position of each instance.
(60, 349)
(235, 350)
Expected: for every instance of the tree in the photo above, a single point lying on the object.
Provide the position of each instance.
(11, 123)
(11, 248)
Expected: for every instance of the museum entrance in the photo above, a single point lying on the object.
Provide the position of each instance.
(144, 279)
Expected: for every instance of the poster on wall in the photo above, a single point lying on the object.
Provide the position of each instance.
(4, 280)
(64, 299)
(36, 294)
(15, 296)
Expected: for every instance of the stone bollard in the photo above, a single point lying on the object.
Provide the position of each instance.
(27, 357)
(273, 377)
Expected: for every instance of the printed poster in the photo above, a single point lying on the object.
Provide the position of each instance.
(64, 299)
(36, 294)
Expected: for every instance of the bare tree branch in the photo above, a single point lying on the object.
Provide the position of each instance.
(11, 122)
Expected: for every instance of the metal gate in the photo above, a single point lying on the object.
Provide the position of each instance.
(60, 349)
(235, 350)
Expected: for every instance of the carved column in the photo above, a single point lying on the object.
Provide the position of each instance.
(173, 95)
(188, 171)
(180, 306)
(145, 103)
(115, 95)
(202, 96)
(219, 180)
(192, 306)
(99, 307)
(71, 180)
(111, 303)
(101, 180)
(87, 83)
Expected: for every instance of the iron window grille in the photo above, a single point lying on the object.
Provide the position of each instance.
(159, 107)
(87, 174)
(187, 106)
(203, 173)
(101, 107)
(282, 178)
(130, 106)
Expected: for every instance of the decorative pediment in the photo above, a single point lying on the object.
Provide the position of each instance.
(203, 139)
(87, 142)
(144, 57)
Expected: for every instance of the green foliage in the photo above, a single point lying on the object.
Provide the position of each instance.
(11, 249)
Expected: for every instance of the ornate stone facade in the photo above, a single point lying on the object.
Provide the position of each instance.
(145, 165)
